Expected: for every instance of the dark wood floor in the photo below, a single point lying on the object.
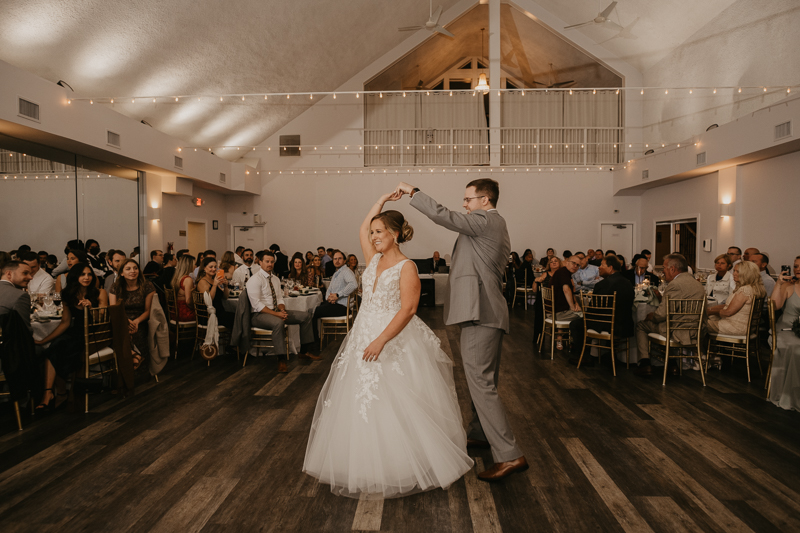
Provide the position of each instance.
(220, 448)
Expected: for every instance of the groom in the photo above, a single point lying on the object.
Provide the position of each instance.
(476, 303)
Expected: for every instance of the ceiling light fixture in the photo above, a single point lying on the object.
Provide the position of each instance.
(482, 86)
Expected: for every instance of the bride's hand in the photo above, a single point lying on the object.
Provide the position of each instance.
(391, 197)
(372, 351)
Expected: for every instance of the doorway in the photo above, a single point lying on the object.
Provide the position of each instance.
(196, 237)
(679, 236)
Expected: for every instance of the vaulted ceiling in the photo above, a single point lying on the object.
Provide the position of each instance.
(152, 47)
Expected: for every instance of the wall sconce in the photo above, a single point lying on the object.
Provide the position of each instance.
(726, 210)
(154, 213)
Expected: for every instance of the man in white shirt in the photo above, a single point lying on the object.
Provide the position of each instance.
(41, 281)
(762, 262)
(269, 312)
(587, 275)
(237, 255)
(248, 269)
(343, 283)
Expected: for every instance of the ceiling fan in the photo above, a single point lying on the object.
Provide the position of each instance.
(555, 84)
(433, 23)
(601, 18)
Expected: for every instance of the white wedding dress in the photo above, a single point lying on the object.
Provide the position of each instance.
(390, 427)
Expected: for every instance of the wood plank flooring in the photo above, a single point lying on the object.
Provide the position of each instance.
(220, 448)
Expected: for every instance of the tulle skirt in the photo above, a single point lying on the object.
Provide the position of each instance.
(392, 427)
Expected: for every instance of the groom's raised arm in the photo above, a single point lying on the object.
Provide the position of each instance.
(472, 224)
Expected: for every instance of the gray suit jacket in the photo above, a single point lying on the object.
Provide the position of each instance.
(478, 260)
(14, 299)
(683, 287)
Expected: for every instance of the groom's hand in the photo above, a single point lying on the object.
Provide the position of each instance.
(404, 188)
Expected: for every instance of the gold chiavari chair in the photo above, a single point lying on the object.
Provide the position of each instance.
(97, 344)
(739, 346)
(182, 330)
(774, 331)
(332, 326)
(682, 315)
(524, 290)
(262, 338)
(552, 326)
(16, 403)
(599, 310)
(201, 321)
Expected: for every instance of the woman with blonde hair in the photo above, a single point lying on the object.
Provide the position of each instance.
(183, 285)
(731, 318)
(718, 286)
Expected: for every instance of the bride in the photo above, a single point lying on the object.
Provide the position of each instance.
(387, 422)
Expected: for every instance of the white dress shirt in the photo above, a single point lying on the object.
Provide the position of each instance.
(42, 282)
(244, 273)
(259, 294)
(237, 259)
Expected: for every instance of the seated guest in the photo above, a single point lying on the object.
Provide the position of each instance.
(611, 252)
(269, 312)
(590, 254)
(42, 282)
(565, 306)
(761, 260)
(281, 261)
(785, 388)
(51, 264)
(749, 253)
(612, 283)
(153, 268)
(718, 285)
(315, 274)
(298, 273)
(323, 257)
(544, 261)
(511, 274)
(228, 257)
(43, 259)
(731, 318)
(435, 262)
(237, 255)
(168, 272)
(543, 281)
(597, 258)
(587, 276)
(735, 253)
(181, 252)
(135, 254)
(622, 263)
(14, 279)
(647, 255)
(73, 258)
(63, 266)
(680, 286)
(5, 257)
(524, 273)
(228, 269)
(117, 258)
(352, 264)
(330, 268)
(567, 254)
(93, 253)
(65, 355)
(208, 280)
(136, 295)
(183, 285)
(309, 258)
(207, 253)
(343, 283)
(248, 269)
(638, 274)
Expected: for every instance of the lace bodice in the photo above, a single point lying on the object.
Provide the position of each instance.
(386, 295)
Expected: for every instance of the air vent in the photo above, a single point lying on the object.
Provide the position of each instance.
(701, 159)
(222, 177)
(781, 130)
(178, 162)
(114, 139)
(645, 174)
(28, 109)
(290, 145)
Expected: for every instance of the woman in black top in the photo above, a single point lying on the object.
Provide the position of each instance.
(65, 355)
(216, 287)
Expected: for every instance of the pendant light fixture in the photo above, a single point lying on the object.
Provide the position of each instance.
(482, 84)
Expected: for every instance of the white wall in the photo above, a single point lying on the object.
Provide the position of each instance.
(752, 43)
(42, 213)
(177, 210)
(542, 209)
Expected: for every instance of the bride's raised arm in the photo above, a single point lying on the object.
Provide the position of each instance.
(367, 247)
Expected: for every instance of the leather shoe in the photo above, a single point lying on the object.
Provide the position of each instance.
(476, 443)
(283, 368)
(644, 371)
(309, 356)
(500, 471)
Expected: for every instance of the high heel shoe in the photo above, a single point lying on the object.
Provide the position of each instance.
(49, 406)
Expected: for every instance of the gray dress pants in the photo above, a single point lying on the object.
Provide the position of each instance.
(480, 353)
(271, 322)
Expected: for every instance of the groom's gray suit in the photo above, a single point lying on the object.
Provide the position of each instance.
(476, 303)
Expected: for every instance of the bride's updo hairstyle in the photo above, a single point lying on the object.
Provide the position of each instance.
(397, 225)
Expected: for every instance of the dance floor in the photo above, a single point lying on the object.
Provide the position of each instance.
(220, 448)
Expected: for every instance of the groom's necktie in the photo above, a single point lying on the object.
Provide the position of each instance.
(274, 296)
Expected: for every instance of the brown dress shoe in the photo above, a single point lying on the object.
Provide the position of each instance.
(477, 443)
(309, 356)
(283, 368)
(500, 471)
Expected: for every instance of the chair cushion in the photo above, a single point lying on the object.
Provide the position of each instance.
(657, 336)
(559, 323)
(190, 323)
(594, 332)
(259, 331)
(102, 355)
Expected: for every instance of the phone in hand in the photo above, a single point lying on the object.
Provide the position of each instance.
(221, 275)
(786, 270)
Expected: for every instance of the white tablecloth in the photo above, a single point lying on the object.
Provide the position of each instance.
(43, 329)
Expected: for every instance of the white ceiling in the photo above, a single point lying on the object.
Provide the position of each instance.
(152, 47)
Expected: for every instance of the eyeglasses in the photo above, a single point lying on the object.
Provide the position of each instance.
(469, 198)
